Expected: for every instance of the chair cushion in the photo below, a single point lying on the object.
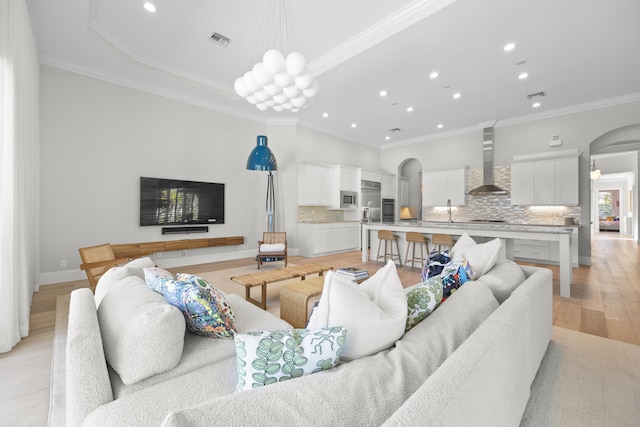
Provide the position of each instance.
(271, 247)
(142, 335)
(374, 312)
(268, 357)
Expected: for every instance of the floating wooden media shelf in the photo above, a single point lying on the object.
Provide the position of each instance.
(136, 250)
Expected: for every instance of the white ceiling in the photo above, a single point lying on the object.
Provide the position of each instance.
(581, 53)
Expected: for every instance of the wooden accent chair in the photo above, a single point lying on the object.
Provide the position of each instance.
(272, 245)
(96, 260)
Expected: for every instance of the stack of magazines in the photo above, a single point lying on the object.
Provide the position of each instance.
(353, 273)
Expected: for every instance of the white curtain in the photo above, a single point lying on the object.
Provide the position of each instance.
(19, 171)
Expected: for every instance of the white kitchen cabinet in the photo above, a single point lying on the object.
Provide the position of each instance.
(370, 176)
(349, 178)
(543, 251)
(545, 182)
(316, 184)
(322, 239)
(440, 186)
(388, 186)
(522, 183)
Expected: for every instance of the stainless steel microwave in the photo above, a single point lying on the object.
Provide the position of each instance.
(348, 200)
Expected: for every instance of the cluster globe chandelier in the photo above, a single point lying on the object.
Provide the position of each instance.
(282, 80)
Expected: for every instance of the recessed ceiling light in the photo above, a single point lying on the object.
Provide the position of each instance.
(535, 104)
(387, 138)
(383, 93)
(456, 95)
(325, 115)
(434, 75)
(509, 47)
(409, 109)
(353, 125)
(149, 7)
(440, 126)
(523, 76)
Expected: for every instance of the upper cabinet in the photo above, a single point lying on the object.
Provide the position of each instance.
(388, 186)
(349, 178)
(440, 187)
(316, 184)
(545, 181)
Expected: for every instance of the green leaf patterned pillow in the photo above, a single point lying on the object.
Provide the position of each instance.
(422, 300)
(265, 358)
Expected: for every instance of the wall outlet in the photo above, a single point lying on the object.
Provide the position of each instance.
(184, 252)
(63, 263)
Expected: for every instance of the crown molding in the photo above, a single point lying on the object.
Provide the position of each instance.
(382, 30)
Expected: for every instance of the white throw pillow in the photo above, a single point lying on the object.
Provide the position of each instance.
(482, 257)
(271, 247)
(463, 241)
(136, 267)
(374, 313)
(141, 333)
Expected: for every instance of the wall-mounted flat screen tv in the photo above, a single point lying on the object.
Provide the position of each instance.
(175, 202)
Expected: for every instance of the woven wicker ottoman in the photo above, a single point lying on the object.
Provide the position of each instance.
(294, 300)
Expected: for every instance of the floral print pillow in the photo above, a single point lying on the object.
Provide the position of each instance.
(204, 307)
(157, 278)
(265, 358)
(422, 300)
(435, 264)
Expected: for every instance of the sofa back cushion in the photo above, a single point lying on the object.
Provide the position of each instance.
(142, 334)
(503, 279)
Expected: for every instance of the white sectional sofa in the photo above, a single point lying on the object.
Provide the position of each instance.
(471, 362)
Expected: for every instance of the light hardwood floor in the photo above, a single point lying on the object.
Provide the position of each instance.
(605, 301)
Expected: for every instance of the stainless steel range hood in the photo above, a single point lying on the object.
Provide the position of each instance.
(487, 149)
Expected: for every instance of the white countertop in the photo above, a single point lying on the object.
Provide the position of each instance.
(526, 228)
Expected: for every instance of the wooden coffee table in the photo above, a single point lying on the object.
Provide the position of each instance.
(263, 278)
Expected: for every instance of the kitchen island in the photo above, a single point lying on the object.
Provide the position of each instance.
(507, 233)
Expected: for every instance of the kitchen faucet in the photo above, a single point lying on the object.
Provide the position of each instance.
(449, 210)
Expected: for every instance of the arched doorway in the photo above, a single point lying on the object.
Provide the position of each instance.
(410, 190)
(618, 147)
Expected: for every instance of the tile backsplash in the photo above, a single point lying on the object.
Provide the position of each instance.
(319, 214)
(499, 207)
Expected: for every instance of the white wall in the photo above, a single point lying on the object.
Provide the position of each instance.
(577, 130)
(98, 138)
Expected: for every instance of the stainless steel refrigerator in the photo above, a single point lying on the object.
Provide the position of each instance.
(371, 201)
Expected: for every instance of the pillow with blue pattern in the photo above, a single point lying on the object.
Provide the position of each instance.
(434, 264)
(204, 307)
(264, 358)
(454, 275)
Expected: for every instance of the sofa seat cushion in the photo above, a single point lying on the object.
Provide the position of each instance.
(373, 312)
(503, 279)
(142, 334)
(381, 383)
(200, 351)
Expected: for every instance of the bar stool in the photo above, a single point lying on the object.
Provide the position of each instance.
(414, 238)
(441, 240)
(388, 237)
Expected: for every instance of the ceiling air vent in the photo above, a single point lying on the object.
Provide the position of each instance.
(395, 130)
(220, 39)
(536, 95)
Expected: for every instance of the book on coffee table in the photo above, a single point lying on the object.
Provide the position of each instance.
(354, 273)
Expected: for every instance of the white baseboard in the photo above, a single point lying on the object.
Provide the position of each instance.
(51, 278)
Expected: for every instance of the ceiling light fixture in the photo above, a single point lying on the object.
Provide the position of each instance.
(409, 109)
(325, 115)
(440, 126)
(523, 76)
(278, 81)
(595, 172)
(383, 93)
(509, 47)
(457, 95)
(149, 7)
(434, 75)
(353, 125)
(535, 104)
